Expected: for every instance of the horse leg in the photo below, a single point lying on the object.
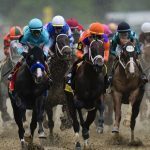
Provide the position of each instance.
(18, 115)
(66, 121)
(33, 124)
(40, 103)
(132, 100)
(117, 109)
(108, 115)
(135, 112)
(3, 98)
(49, 111)
(101, 108)
(85, 129)
(73, 114)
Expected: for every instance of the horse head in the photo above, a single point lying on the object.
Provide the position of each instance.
(62, 47)
(14, 56)
(35, 60)
(96, 53)
(128, 59)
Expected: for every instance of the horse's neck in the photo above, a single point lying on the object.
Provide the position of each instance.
(121, 70)
(89, 70)
(58, 68)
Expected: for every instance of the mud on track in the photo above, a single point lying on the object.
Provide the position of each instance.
(64, 140)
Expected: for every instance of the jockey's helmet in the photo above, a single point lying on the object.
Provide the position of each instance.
(123, 27)
(145, 27)
(113, 27)
(107, 31)
(15, 32)
(96, 28)
(73, 23)
(35, 26)
(58, 21)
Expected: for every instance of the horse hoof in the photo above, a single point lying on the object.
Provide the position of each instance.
(42, 135)
(24, 145)
(126, 123)
(99, 130)
(78, 146)
(115, 130)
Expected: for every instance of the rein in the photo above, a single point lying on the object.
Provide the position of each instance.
(125, 65)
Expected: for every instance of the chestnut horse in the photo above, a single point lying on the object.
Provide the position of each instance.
(127, 88)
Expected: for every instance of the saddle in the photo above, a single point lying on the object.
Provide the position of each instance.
(67, 87)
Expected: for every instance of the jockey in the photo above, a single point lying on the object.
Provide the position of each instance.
(35, 35)
(15, 33)
(59, 26)
(144, 36)
(76, 30)
(95, 31)
(113, 27)
(123, 35)
(107, 31)
(75, 26)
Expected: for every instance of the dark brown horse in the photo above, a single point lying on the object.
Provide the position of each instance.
(127, 88)
(89, 88)
(59, 64)
(31, 85)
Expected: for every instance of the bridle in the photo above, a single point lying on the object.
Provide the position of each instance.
(90, 53)
(57, 47)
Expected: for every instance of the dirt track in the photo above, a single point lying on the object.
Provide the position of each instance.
(64, 140)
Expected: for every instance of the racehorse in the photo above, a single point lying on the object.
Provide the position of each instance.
(145, 62)
(127, 88)
(30, 88)
(89, 88)
(6, 66)
(59, 64)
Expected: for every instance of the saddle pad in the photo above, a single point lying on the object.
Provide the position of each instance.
(68, 88)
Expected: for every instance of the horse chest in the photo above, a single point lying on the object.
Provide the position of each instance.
(89, 88)
(125, 85)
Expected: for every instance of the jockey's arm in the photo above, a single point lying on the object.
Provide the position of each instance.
(71, 39)
(106, 50)
(79, 51)
(6, 46)
(137, 47)
(47, 45)
(113, 47)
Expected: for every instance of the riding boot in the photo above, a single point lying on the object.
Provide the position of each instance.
(16, 67)
(73, 72)
(143, 75)
(110, 77)
(13, 73)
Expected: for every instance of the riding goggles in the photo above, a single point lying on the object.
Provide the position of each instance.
(124, 35)
(96, 37)
(36, 32)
